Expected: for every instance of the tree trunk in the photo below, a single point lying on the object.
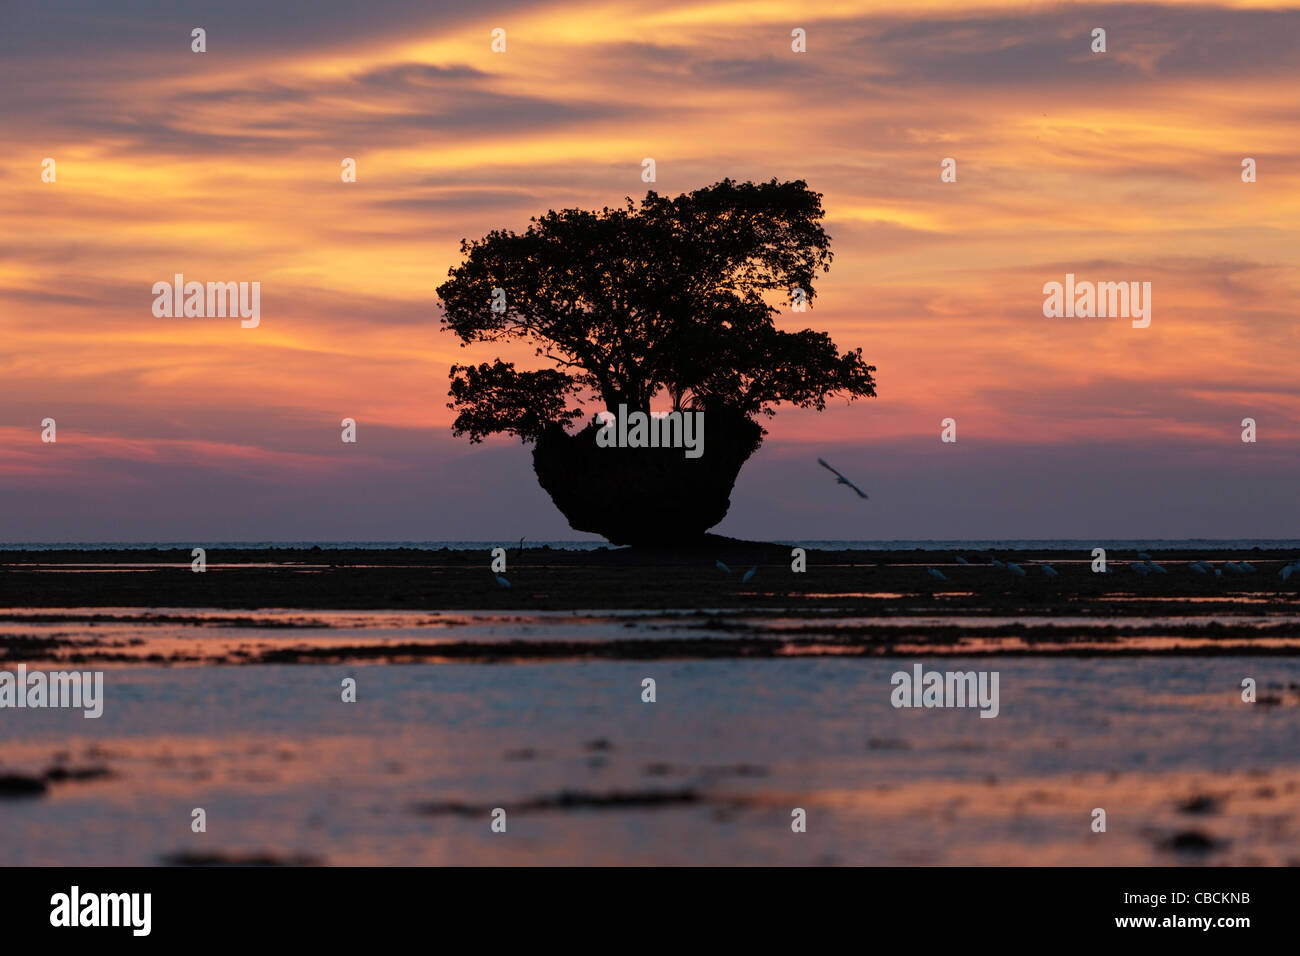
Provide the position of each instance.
(645, 495)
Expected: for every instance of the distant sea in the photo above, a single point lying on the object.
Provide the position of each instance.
(1011, 544)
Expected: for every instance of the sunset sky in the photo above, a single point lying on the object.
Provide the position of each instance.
(225, 166)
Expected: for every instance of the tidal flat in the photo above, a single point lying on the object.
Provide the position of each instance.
(225, 691)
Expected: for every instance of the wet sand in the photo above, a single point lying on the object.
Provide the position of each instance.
(222, 691)
(125, 637)
(288, 774)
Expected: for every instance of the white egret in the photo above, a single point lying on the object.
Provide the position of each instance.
(840, 479)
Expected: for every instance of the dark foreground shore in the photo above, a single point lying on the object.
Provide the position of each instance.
(883, 582)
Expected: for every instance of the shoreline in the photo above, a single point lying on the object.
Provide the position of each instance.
(879, 582)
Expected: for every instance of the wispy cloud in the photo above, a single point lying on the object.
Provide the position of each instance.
(225, 166)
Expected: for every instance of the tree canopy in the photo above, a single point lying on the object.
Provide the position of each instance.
(662, 298)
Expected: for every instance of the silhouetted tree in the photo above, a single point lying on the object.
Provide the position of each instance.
(662, 299)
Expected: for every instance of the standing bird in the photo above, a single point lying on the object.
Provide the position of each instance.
(840, 479)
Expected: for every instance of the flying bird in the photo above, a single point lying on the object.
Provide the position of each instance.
(961, 560)
(937, 574)
(840, 479)
(502, 581)
(1015, 569)
(722, 566)
(1049, 570)
(748, 574)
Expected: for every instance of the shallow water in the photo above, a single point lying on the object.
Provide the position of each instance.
(588, 773)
